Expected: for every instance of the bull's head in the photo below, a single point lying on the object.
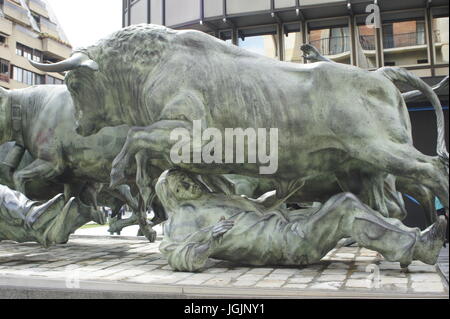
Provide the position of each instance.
(4, 118)
(82, 84)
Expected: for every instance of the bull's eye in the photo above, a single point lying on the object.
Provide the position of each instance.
(186, 185)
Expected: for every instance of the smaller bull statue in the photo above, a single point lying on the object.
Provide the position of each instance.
(203, 224)
(41, 122)
(51, 223)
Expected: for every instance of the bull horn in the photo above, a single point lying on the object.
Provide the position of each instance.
(76, 61)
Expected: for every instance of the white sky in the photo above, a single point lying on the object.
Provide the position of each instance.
(87, 21)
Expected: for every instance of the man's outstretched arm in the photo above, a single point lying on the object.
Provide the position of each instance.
(192, 254)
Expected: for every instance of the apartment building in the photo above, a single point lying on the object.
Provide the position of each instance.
(29, 30)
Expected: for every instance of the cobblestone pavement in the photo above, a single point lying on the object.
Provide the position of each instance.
(346, 271)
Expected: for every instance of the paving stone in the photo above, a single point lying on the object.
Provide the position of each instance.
(260, 271)
(331, 278)
(158, 262)
(216, 270)
(393, 273)
(244, 283)
(218, 282)
(283, 277)
(425, 277)
(295, 286)
(399, 288)
(250, 277)
(267, 283)
(359, 283)
(433, 287)
(300, 280)
(359, 275)
(327, 285)
(334, 272)
(285, 271)
(393, 280)
(196, 279)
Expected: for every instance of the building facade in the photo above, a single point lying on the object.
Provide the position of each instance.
(413, 34)
(29, 30)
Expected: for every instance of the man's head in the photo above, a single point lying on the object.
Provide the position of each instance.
(176, 186)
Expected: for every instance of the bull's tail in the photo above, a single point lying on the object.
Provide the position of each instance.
(401, 75)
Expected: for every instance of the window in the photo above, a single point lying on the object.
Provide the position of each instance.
(2, 39)
(261, 41)
(332, 42)
(37, 18)
(404, 38)
(52, 80)
(4, 66)
(4, 70)
(441, 40)
(226, 36)
(28, 53)
(39, 79)
(29, 77)
(292, 42)
(37, 56)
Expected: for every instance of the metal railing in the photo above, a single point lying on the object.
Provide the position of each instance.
(400, 40)
(338, 45)
(367, 42)
(4, 77)
(333, 45)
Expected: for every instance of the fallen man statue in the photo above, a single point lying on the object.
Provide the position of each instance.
(233, 228)
(51, 223)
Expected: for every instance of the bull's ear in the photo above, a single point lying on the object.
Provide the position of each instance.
(91, 64)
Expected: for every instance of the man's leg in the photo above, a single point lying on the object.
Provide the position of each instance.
(345, 216)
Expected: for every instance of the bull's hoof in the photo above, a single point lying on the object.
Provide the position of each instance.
(152, 236)
(149, 233)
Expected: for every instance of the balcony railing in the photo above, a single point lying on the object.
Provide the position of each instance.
(338, 45)
(4, 78)
(333, 45)
(404, 40)
(367, 42)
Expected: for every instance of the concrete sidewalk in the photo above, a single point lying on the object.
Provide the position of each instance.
(129, 267)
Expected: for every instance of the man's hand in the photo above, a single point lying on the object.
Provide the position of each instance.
(222, 227)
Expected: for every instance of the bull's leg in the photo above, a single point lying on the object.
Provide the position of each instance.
(370, 188)
(39, 168)
(143, 178)
(155, 139)
(405, 161)
(123, 193)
